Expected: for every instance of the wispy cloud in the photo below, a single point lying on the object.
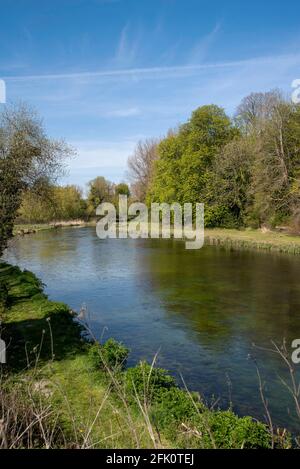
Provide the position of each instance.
(161, 71)
(129, 112)
(127, 48)
(101, 153)
(201, 49)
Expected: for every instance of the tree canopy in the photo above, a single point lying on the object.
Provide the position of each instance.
(29, 161)
(245, 169)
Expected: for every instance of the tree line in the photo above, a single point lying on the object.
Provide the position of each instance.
(63, 203)
(245, 169)
(31, 165)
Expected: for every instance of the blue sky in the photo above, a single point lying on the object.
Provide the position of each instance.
(106, 73)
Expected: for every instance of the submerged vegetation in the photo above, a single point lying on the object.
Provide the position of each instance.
(60, 388)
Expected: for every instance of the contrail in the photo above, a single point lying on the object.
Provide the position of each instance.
(156, 70)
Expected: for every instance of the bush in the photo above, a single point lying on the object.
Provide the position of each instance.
(112, 354)
(175, 406)
(232, 432)
(171, 407)
(220, 216)
(147, 382)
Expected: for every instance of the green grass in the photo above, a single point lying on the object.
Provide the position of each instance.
(254, 239)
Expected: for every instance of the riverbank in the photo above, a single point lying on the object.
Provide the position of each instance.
(235, 239)
(31, 228)
(253, 239)
(84, 394)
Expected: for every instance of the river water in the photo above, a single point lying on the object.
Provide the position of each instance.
(208, 313)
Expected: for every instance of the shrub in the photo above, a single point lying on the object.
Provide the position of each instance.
(147, 382)
(175, 406)
(112, 354)
(230, 431)
(220, 216)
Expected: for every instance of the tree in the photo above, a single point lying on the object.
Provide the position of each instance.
(140, 167)
(36, 209)
(100, 190)
(276, 178)
(184, 170)
(69, 203)
(29, 160)
(233, 172)
(122, 189)
(61, 203)
(256, 109)
(274, 124)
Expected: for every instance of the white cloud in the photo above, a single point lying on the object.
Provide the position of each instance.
(163, 72)
(129, 112)
(127, 48)
(102, 154)
(99, 158)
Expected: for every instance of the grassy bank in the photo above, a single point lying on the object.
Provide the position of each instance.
(48, 362)
(29, 228)
(21, 229)
(254, 239)
(68, 392)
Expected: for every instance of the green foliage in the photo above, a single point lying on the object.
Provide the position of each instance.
(246, 171)
(232, 432)
(147, 382)
(220, 216)
(174, 406)
(112, 354)
(100, 190)
(61, 203)
(33, 323)
(29, 161)
(174, 409)
(183, 171)
(122, 189)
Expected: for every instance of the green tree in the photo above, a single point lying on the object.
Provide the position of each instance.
(61, 203)
(100, 190)
(29, 160)
(122, 189)
(232, 184)
(184, 169)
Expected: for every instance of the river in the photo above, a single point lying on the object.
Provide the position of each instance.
(201, 310)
